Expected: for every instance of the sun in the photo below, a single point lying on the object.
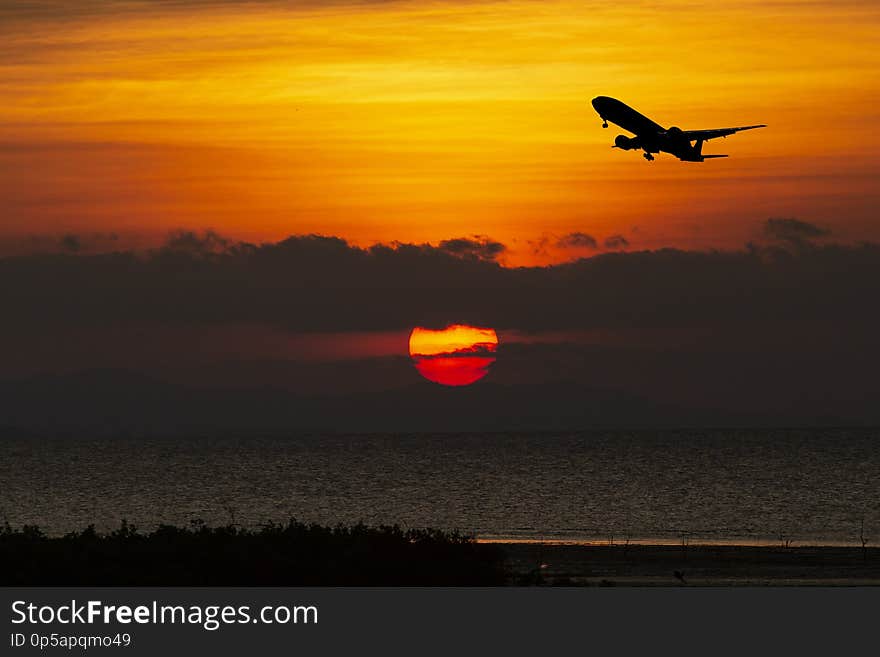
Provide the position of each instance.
(458, 355)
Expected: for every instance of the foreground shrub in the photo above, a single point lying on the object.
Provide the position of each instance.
(295, 554)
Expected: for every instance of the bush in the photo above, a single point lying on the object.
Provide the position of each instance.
(294, 554)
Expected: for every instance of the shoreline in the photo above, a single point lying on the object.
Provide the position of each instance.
(297, 554)
(690, 541)
(690, 565)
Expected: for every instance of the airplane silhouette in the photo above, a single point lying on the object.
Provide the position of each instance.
(686, 145)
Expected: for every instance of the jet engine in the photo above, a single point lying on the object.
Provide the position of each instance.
(624, 142)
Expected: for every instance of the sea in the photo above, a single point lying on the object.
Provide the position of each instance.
(795, 487)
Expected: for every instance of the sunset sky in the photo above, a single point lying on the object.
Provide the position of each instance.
(267, 197)
(425, 121)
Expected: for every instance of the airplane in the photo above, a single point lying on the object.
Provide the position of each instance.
(686, 145)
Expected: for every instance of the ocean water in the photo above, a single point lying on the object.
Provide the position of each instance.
(747, 486)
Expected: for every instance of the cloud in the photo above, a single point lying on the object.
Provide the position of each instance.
(66, 10)
(793, 231)
(539, 245)
(71, 243)
(479, 247)
(784, 333)
(616, 242)
(320, 283)
(82, 243)
(576, 240)
(191, 242)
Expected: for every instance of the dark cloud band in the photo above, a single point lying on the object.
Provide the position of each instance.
(317, 283)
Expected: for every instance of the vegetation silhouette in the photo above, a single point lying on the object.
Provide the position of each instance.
(275, 554)
(299, 554)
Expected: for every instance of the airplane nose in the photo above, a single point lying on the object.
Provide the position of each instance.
(602, 103)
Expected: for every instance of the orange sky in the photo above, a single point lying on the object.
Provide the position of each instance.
(425, 121)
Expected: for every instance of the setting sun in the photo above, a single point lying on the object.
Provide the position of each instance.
(455, 356)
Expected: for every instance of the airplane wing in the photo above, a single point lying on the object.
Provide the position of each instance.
(706, 135)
